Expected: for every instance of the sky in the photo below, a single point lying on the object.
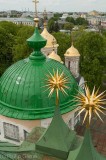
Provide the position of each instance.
(55, 5)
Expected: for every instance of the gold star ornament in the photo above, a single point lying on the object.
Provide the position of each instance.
(56, 82)
(91, 103)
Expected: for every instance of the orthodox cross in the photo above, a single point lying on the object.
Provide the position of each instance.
(36, 13)
(45, 15)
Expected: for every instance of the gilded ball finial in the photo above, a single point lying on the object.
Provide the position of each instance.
(36, 20)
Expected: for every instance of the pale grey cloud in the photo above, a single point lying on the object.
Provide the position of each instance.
(55, 5)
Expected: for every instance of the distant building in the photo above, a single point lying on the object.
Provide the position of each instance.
(95, 20)
(92, 30)
(65, 31)
(75, 16)
(40, 15)
(3, 14)
(103, 24)
(94, 13)
(18, 21)
(64, 16)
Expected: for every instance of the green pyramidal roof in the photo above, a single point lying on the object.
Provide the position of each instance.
(86, 151)
(58, 138)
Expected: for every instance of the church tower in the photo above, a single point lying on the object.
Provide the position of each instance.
(72, 58)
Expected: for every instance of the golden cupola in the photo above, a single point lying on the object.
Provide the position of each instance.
(55, 56)
(50, 38)
(72, 58)
(72, 52)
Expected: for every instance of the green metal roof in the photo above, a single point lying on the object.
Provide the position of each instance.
(86, 150)
(22, 93)
(58, 138)
(28, 148)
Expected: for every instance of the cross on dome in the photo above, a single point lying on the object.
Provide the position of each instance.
(45, 15)
(36, 13)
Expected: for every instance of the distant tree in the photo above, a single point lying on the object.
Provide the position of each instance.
(57, 16)
(81, 21)
(8, 30)
(92, 49)
(70, 19)
(103, 31)
(9, 27)
(6, 43)
(53, 25)
(20, 49)
(68, 26)
(56, 27)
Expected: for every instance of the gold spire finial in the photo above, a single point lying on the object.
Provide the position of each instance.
(91, 103)
(57, 82)
(35, 2)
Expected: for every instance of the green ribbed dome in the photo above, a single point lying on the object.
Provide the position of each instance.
(22, 94)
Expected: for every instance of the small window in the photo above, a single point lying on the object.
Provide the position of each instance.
(25, 134)
(11, 131)
(69, 65)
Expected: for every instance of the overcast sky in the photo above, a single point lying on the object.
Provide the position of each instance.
(55, 5)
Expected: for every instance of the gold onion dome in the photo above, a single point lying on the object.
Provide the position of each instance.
(45, 34)
(72, 51)
(54, 56)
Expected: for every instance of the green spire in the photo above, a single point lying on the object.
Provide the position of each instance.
(86, 150)
(36, 41)
(58, 138)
